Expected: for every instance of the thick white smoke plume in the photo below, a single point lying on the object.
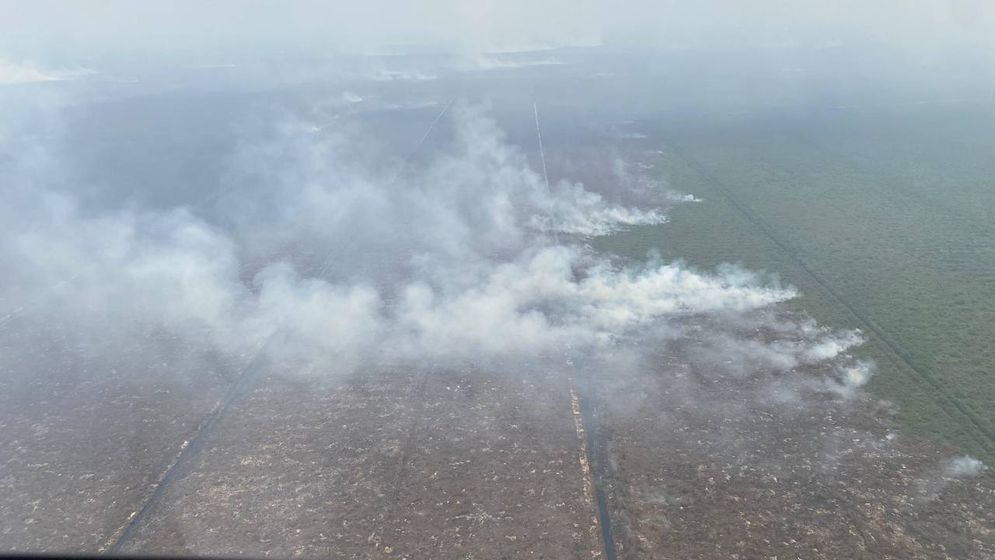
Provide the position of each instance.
(335, 263)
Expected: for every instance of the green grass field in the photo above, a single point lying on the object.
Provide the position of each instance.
(883, 218)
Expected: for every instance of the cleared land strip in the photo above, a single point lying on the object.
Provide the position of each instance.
(949, 403)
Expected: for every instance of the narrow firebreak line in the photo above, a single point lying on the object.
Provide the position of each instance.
(545, 175)
(419, 394)
(594, 493)
(192, 446)
(189, 449)
(946, 401)
(542, 153)
(431, 127)
(329, 255)
(596, 462)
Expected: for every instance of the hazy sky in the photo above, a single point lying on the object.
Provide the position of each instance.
(78, 29)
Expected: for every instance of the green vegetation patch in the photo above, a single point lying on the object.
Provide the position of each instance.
(885, 220)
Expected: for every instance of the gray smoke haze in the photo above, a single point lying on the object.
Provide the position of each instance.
(54, 29)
